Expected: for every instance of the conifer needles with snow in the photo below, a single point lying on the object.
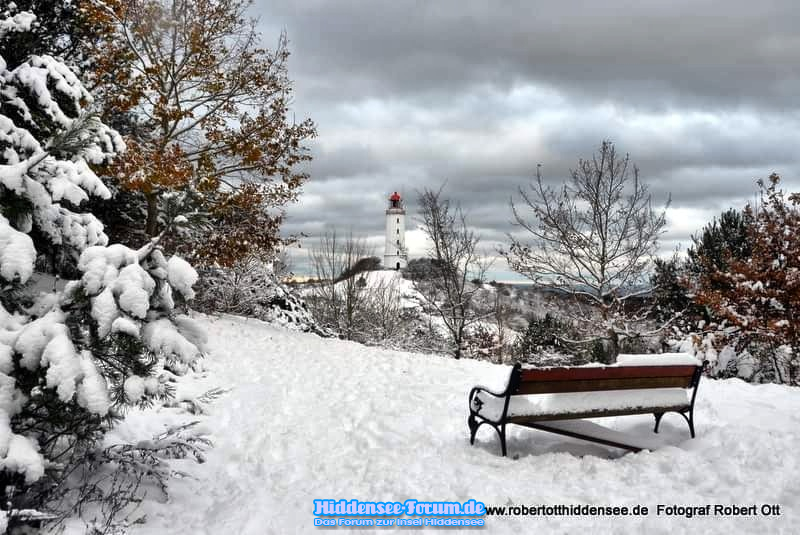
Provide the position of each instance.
(72, 360)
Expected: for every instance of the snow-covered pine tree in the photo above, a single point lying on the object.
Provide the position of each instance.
(719, 242)
(73, 359)
(695, 327)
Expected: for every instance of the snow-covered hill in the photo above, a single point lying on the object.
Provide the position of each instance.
(310, 418)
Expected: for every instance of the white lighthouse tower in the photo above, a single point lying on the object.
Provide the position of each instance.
(394, 254)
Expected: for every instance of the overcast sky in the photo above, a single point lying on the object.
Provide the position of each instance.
(702, 95)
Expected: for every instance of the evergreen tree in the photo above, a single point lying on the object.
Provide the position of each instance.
(543, 343)
(543, 333)
(720, 241)
(73, 359)
(672, 296)
(56, 31)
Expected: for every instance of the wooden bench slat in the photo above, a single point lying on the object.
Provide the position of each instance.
(568, 374)
(596, 385)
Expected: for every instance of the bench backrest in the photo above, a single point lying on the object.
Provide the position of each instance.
(592, 379)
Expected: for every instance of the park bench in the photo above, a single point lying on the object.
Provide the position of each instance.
(558, 400)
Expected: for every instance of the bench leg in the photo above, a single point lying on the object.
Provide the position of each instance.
(473, 428)
(501, 430)
(658, 416)
(689, 420)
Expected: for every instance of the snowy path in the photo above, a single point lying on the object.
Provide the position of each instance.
(308, 418)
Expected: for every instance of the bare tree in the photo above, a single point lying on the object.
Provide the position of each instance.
(502, 313)
(594, 239)
(454, 251)
(383, 314)
(348, 299)
(282, 263)
(337, 298)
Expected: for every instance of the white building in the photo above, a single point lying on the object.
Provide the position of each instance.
(395, 255)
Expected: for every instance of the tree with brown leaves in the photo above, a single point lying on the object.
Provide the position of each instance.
(760, 295)
(207, 122)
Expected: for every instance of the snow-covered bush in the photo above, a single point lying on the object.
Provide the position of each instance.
(250, 288)
(71, 361)
(481, 342)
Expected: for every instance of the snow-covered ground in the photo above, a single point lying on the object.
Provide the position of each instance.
(310, 418)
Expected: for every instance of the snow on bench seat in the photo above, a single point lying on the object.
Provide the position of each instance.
(583, 402)
(663, 359)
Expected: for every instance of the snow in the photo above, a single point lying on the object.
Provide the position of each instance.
(17, 253)
(20, 22)
(35, 336)
(63, 365)
(151, 385)
(162, 336)
(309, 418)
(100, 265)
(9, 397)
(92, 390)
(22, 456)
(588, 428)
(40, 73)
(6, 359)
(663, 359)
(104, 311)
(134, 388)
(134, 287)
(17, 453)
(379, 280)
(11, 176)
(126, 326)
(181, 276)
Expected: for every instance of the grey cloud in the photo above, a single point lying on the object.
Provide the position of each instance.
(413, 94)
(664, 53)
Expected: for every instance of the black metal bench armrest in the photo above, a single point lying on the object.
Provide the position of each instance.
(475, 403)
(511, 386)
(481, 388)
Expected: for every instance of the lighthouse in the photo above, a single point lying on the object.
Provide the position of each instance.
(394, 254)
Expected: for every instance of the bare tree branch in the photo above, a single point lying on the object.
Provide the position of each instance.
(594, 238)
(456, 260)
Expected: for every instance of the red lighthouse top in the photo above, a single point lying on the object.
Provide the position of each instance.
(394, 201)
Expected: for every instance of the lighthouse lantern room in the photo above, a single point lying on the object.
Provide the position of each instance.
(395, 255)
